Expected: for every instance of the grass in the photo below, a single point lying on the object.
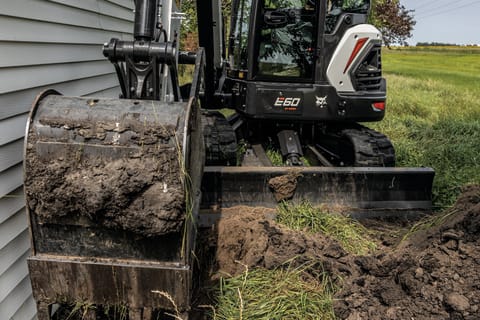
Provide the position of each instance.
(80, 310)
(456, 66)
(276, 158)
(185, 73)
(433, 116)
(429, 222)
(283, 293)
(352, 236)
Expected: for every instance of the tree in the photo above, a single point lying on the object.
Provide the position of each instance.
(394, 21)
(189, 36)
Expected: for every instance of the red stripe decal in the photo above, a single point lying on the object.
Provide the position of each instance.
(358, 46)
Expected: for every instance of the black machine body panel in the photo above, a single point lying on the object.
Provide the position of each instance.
(306, 102)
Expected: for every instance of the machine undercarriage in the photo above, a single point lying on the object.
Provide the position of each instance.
(346, 145)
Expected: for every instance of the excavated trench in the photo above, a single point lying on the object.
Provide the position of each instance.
(433, 274)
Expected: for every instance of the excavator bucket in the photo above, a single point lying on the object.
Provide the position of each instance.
(112, 190)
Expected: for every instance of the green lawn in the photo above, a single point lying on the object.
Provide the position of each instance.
(460, 68)
(433, 114)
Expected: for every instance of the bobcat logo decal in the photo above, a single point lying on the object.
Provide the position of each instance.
(321, 102)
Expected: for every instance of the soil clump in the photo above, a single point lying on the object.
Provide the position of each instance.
(284, 187)
(432, 274)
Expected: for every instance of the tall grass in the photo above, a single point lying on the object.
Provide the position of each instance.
(283, 293)
(458, 67)
(433, 116)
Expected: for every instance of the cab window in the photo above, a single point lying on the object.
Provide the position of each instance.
(335, 8)
(287, 39)
(241, 23)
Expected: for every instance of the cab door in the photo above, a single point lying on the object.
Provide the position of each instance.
(286, 40)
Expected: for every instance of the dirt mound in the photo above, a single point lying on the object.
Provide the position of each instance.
(252, 238)
(432, 275)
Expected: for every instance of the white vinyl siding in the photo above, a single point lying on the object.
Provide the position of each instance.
(44, 44)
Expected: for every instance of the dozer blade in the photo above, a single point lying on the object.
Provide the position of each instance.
(112, 188)
(364, 192)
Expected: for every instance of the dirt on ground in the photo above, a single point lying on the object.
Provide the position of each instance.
(252, 238)
(432, 274)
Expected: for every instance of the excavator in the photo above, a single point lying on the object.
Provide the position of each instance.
(118, 189)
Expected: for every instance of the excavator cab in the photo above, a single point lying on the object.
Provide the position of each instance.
(312, 68)
(317, 60)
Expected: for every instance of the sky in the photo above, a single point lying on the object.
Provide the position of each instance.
(446, 21)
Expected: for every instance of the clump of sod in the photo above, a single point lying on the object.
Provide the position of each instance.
(283, 293)
(352, 236)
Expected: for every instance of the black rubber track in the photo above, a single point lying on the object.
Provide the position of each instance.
(220, 140)
(370, 148)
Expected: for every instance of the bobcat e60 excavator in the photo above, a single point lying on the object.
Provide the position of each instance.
(117, 188)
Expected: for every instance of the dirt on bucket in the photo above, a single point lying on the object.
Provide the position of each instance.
(433, 274)
(140, 191)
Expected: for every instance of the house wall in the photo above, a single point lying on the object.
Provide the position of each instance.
(44, 44)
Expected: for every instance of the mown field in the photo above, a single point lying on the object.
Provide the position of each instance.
(433, 115)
